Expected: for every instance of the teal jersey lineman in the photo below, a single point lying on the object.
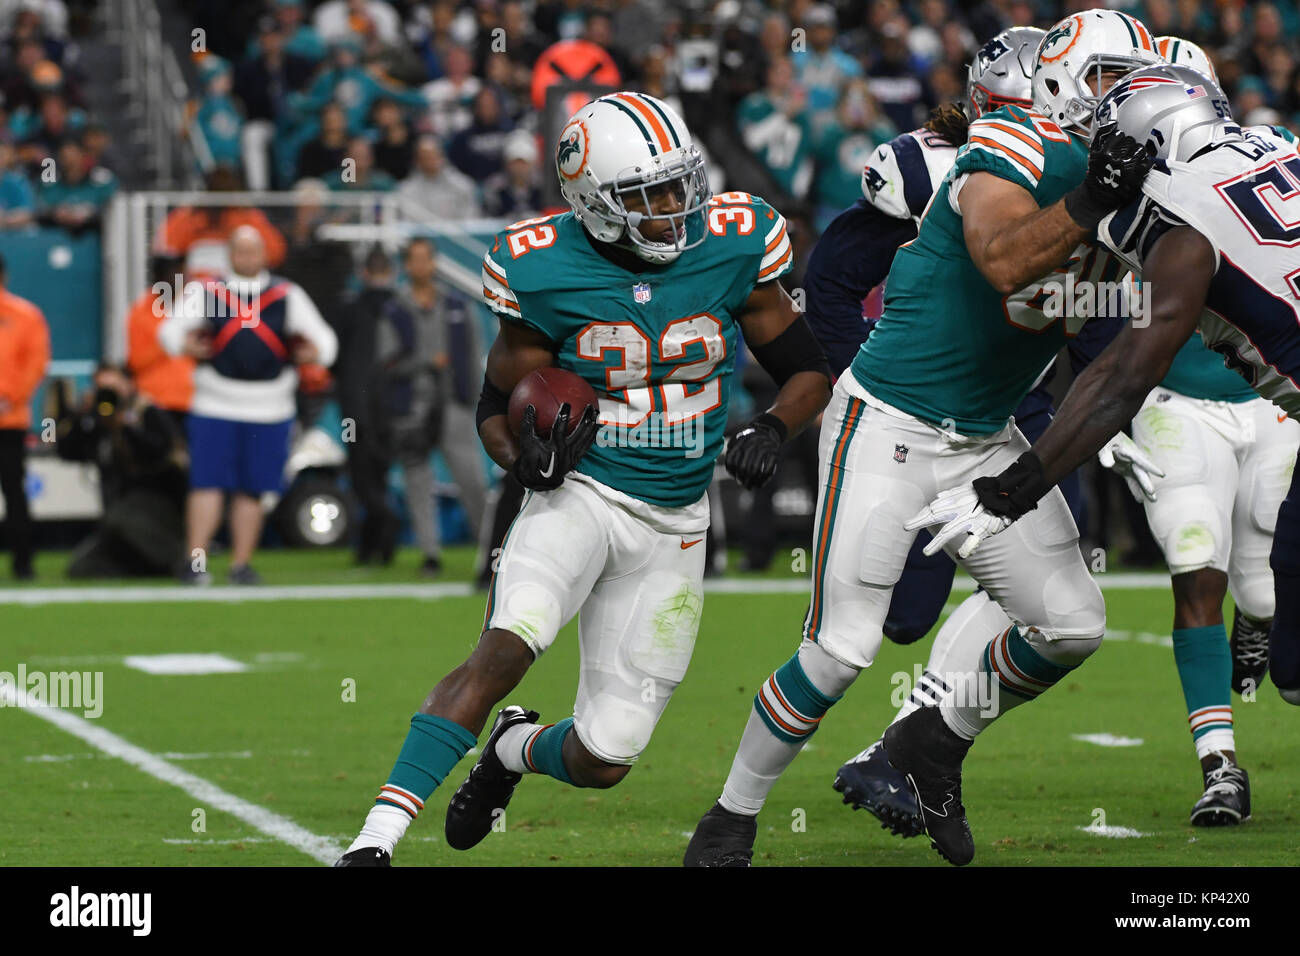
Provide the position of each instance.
(952, 350)
(657, 345)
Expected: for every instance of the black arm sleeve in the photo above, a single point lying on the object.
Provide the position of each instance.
(852, 257)
(491, 402)
(794, 350)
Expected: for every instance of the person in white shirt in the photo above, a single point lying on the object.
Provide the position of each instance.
(248, 333)
(334, 19)
(436, 189)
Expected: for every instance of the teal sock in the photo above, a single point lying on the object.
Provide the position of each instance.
(790, 704)
(433, 746)
(1011, 672)
(1204, 664)
(545, 752)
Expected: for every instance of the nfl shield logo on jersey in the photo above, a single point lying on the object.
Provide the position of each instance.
(900, 453)
(641, 293)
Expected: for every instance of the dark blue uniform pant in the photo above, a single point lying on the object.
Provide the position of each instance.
(1284, 638)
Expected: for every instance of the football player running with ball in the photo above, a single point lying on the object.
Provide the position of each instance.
(640, 290)
(925, 404)
(1214, 239)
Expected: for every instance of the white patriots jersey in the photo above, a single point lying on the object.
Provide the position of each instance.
(1243, 196)
(904, 173)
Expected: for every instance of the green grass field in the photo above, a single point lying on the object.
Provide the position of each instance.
(280, 735)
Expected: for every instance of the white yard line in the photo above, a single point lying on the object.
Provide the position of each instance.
(175, 594)
(209, 795)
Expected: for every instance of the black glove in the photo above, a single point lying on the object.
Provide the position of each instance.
(1016, 491)
(543, 462)
(754, 451)
(1117, 164)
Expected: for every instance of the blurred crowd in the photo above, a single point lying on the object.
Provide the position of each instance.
(440, 99)
(55, 158)
(441, 103)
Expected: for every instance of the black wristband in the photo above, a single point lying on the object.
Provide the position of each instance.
(774, 423)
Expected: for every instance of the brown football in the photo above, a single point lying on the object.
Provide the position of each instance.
(546, 390)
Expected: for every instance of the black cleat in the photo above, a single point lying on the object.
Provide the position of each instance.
(366, 856)
(922, 747)
(722, 838)
(1226, 801)
(1249, 652)
(869, 782)
(487, 789)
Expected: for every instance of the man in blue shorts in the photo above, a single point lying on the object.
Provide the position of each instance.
(248, 333)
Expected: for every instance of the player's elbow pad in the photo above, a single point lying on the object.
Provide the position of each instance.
(491, 402)
(794, 350)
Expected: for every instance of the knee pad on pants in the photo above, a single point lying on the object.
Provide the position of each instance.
(615, 730)
(830, 676)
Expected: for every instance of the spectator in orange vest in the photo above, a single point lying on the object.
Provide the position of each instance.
(24, 355)
(166, 380)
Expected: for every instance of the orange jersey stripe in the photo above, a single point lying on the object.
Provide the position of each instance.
(1017, 133)
(775, 242)
(776, 265)
(496, 298)
(1029, 170)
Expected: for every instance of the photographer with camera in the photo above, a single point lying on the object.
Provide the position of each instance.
(142, 478)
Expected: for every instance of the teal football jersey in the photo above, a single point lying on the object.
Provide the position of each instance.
(657, 345)
(952, 350)
(1199, 373)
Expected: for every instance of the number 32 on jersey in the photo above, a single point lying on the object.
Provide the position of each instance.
(692, 348)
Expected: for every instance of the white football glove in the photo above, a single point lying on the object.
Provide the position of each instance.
(1123, 457)
(960, 512)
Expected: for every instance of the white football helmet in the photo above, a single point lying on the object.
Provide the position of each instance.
(1182, 52)
(629, 144)
(999, 74)
(1079, 48)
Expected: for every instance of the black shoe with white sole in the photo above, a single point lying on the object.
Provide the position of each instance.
(921, 746)
(476, 803)
(870, 782)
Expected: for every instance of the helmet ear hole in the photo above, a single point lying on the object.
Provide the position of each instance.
(1053, 87)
